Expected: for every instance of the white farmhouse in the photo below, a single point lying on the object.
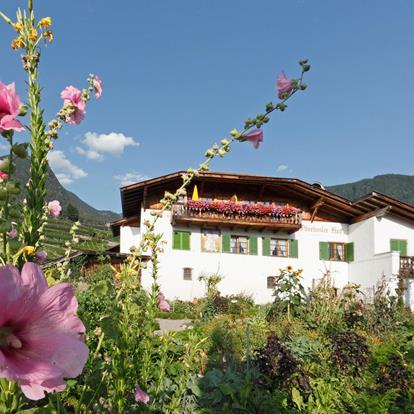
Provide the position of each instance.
(245, 227)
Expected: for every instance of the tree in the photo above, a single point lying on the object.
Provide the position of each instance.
(72, 213)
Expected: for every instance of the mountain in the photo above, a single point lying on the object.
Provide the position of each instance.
(397, 186)
(57, 192)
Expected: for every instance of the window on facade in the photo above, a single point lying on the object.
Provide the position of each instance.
(239, 244)
(187, 273)
(210, 241)
(271, 280)
(336, 251)
(181, 240)
(279, 247)
(231, 243)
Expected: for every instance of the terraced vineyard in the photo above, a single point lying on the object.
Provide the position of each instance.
(57, 232)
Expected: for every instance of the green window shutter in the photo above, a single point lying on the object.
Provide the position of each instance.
(349, 252)
(225, 243)
(399, 246)
(394, 245)
(403, 247)
(253, 245)
(185, 240)
(266, 246)
(293, 249)
(176, 240)
(323, 251)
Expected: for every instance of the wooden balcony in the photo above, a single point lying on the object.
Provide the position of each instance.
(183, 215)
(407, 267)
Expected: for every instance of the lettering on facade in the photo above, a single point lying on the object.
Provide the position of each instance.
(322, 229)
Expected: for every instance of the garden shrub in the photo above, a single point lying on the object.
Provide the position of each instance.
(350, 351)
(277, 362)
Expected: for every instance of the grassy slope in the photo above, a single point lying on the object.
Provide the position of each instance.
(90, 237)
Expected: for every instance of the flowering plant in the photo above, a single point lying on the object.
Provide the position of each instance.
(242, 208)
(42, 341)
(41, 338)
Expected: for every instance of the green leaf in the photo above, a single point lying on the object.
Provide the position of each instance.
(225, 389)
(297, 398)
(110, 327)
(101, 288)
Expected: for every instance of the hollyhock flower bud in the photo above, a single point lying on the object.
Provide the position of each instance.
(234, 133)
(12, 233)
(284, 85)
(9, 108)
(3, 176)
(41, 338)
(41, 255)
(23, 110)
(255, 137)
(141, 396)
(97, 84)
(54, 208)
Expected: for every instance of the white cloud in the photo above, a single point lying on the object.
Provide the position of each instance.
(97, 145)
(282, 167)
(65, 171)
(4, 147)
(129, 178)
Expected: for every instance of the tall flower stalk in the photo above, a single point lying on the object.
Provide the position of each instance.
(39, 147)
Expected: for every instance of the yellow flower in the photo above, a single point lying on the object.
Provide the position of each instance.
(45, 22)
(33, 35)
(29, 250)
(18, 27)
(48, 35)
(289, 268)
(17, 43)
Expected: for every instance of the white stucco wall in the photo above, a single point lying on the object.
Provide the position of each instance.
(241, 273)
(368, 272)
(387, 228)
(248, 273)
(129, 236)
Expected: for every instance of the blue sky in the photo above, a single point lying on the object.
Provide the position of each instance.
(178, 75)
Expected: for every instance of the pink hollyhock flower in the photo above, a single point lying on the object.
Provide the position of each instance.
(141, 396)
(12, 233)
(41, 338)
(54, 208)
(163, 305)
(41, 256)
(97, 84)
(255, 137)
(9, 108)
(73, 96)
(3, 176)
(283, 85)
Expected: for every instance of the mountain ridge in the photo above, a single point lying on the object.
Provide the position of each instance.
(56, 191)
(398, 186)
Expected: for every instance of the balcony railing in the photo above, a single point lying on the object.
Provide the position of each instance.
(186, 213)
(407, 266)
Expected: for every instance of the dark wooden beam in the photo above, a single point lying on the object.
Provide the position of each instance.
(315, 207)
(380, 212)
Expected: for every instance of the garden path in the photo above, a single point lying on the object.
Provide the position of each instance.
(175, 325)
